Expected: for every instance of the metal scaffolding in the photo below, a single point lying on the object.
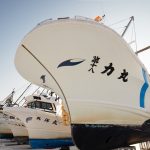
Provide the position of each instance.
(145, 145)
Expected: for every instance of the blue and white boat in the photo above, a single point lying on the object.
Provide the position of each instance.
(42, 117)
(95, 71)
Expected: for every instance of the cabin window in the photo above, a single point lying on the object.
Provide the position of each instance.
(33, 105)
(45, 96)
(37, 97)
(29, 105)
(49, 106)
(38, 105)
(12, 117)
(43, 105)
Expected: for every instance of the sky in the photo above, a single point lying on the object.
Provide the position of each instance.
(18, 17)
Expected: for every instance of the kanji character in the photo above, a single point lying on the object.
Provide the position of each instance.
(109, 69)
(46, 120)
(95, 61)
(55, 122)
(38, 118)
(124, 75)
(43, 78)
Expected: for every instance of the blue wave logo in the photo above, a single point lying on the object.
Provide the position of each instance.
(143, 89)
(71, 62)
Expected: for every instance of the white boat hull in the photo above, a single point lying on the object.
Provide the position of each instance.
(17, 128)
(5, 131)
(95, 71)
(41, 131)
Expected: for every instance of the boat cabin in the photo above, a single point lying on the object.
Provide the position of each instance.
(38, 103)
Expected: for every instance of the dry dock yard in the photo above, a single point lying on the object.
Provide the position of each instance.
(6, 144)
(12, 145)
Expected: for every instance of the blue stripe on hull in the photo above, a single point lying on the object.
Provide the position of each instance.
(50, 143)
(143, 89)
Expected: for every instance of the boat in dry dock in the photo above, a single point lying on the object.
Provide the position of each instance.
(94, 70)
(42, 117)
(5, 131)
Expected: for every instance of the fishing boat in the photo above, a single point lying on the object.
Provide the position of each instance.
(17, 128)
(42, 117)
(14, 124)
(95, 71)
(5, 131)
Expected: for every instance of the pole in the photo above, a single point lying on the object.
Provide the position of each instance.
(22, 93)
(131, 19)
(142, 50)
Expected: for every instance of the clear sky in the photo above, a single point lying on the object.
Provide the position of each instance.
(18, 17)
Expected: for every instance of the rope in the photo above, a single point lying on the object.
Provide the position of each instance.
(135, 36)
(22, 87)
(133, 30)
(119, 22)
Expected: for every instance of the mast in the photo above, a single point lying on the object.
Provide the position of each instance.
(22, 94)
(131, 19)
(36, 90)
(142, 50)
(8, 100)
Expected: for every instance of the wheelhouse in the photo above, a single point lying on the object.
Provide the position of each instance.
(45, 106)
